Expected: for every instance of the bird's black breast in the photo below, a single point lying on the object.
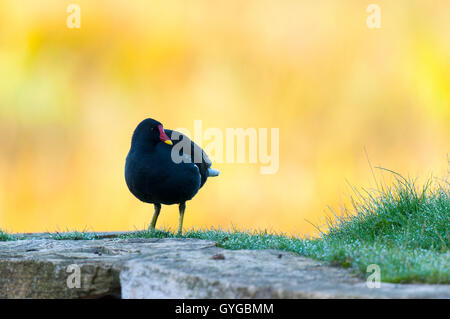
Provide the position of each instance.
(153, 177)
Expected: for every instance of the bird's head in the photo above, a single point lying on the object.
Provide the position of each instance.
(150, 131)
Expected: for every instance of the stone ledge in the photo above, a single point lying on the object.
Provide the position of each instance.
(179, 268)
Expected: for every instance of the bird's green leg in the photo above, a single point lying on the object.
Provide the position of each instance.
(180, 225)
(155, 217)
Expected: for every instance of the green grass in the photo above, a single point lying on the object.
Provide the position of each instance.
(73, 235)
(402, 228)
(6, 237)
(58, 235)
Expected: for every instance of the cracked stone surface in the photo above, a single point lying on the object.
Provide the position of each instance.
(178, 268)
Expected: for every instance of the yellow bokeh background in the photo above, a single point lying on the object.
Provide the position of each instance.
(70, 99)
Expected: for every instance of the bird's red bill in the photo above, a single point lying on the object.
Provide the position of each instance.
(163, 136)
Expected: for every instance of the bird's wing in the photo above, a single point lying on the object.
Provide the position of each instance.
(198, 156)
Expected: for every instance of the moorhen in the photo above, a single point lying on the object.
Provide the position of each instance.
(165, 167)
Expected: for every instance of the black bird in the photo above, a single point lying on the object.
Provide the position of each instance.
(165, 167)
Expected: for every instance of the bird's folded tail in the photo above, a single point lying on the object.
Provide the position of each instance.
(213, 172)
